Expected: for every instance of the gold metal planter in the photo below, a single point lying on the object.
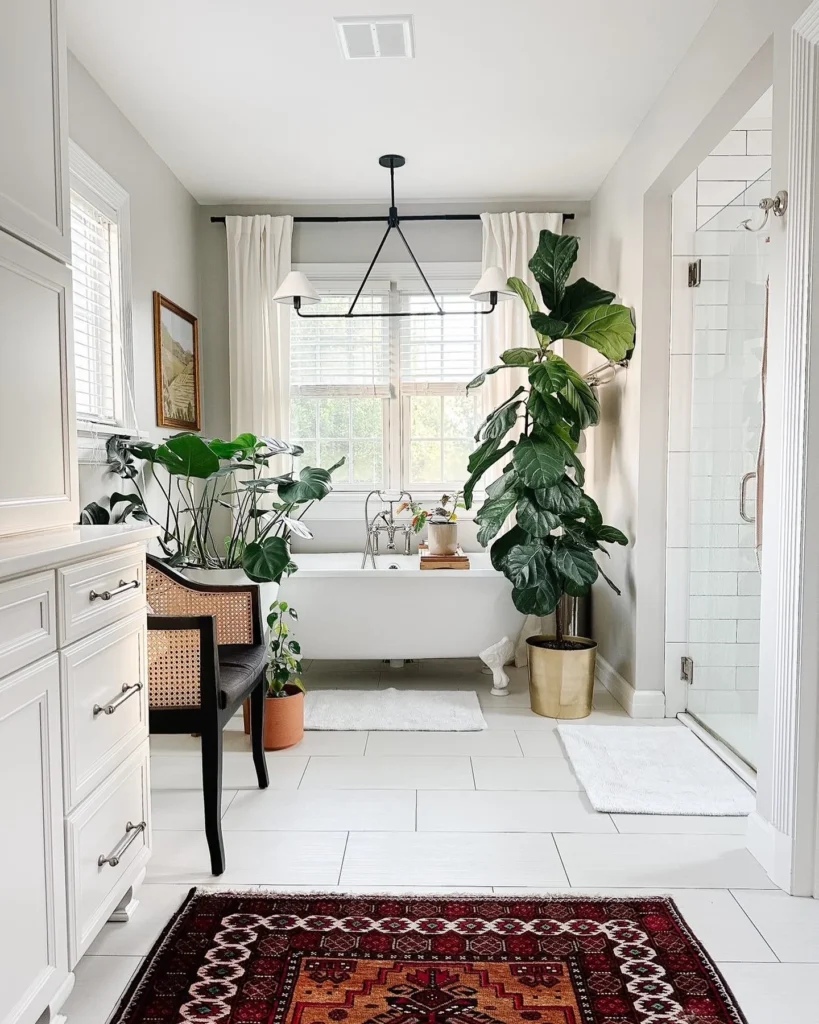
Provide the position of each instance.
(561, 683)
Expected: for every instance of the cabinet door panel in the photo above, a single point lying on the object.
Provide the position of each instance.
(33, 951)
(38, 486)
(33, 125)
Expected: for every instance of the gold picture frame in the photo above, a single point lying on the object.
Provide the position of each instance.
(176, 362)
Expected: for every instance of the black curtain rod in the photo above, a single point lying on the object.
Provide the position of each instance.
(384, 220)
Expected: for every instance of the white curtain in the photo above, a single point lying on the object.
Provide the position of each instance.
(258, 250)
(509, 242)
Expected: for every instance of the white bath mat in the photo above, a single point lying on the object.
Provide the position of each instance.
(633, 769)
(393, 710)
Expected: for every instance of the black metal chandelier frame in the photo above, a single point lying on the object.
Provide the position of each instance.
(393, 161)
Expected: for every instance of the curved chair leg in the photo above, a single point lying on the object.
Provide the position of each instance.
(257, 733)
(212, 791)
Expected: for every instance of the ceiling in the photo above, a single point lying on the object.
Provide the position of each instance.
(251, 100)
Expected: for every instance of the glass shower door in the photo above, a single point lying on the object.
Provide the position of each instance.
(730, 316)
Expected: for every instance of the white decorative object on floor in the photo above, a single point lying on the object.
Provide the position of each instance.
(393, 710)
(643, 770)
(495, 657)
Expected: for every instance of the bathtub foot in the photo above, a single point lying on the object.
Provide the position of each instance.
(495, 657)
(396, 662)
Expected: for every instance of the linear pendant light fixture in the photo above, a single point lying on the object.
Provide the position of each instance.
(297, 291)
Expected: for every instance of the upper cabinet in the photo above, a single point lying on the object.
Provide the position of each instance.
(34, 125)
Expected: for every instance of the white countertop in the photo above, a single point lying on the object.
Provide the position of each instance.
(29, 552)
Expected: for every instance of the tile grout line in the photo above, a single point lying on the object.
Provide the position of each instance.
(301, 777)
(343, 856)
(753, 923)
(416, 811)
(520, 745)
(560, 857)
(472, 769)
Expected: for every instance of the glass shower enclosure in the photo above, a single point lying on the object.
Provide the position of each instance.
(727, 416)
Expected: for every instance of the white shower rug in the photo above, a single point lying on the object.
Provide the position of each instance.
(636, 769)
(393, 710)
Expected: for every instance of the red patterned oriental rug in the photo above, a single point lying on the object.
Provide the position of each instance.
(257, 957)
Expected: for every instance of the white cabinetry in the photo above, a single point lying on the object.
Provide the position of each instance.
(74, 795)
(34, 960)
(33, 125)
(36, 350)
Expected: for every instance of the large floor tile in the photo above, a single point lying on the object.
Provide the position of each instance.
(450, 859)
(389, 773)
(495, 743)
(251, 858)
(679, 823)
(157, 905)
(540, 742)
(789, 924)
(99, 983)
(179, 771)
(333, 744)
(682, 861)
(509, 812)
(183, 808)
(712, 914)
(524, 774)
(517, 718)
(327, 810)
(773, 993)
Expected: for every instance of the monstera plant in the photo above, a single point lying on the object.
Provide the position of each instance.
(558, 531)
(195, 479)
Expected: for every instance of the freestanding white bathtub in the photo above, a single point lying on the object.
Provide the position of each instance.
(398, 613)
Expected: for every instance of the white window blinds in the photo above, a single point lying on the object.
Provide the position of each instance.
(438, 352)
(341, 357)
(97, 338)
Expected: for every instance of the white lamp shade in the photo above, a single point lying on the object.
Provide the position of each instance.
(493, 279)
(296, 285)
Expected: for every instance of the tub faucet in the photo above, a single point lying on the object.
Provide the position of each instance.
(384, 522)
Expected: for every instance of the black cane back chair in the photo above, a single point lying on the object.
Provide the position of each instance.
(206, 656)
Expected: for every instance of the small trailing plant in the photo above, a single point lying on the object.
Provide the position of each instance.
(550, 551)
(446, 511)
(197, 478)
(284, 653)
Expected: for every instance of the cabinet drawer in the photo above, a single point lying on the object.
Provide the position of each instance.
(94, 594)
(104, 686)
(28, 627)
(107, 845)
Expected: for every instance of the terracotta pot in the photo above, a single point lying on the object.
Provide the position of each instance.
(284, 719)
(442, 538)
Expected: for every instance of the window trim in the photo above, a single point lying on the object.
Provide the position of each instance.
(97, 186)
(396, 445)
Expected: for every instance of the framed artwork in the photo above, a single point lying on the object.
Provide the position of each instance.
(176, 357)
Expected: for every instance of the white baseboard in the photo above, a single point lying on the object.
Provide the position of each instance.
(774, 851)
(638, 703)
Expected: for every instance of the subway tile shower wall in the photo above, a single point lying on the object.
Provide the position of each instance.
(715, 418)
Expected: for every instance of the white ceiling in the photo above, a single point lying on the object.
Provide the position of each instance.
(251, 100)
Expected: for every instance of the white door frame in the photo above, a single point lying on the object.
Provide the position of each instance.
(783, 830)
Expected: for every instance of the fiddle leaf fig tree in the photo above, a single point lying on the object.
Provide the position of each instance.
(550, 551)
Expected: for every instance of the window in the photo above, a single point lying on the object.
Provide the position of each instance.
(388, 394)
(101, 298)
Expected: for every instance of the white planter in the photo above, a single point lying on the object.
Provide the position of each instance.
(231, 578)
(442, 538)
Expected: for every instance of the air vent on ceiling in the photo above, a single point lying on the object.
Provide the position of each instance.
(376, 36)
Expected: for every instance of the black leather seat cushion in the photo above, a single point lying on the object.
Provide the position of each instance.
(239, 667)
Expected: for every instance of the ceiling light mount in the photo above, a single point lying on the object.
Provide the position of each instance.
(297, 291)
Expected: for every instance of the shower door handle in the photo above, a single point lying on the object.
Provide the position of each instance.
(742, 499)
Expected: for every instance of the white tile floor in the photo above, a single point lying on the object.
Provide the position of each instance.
(494, 811)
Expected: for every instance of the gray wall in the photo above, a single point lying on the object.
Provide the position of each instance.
(163, 236)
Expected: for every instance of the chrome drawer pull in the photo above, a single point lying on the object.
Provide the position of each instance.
(131, 832)
(128, 690)
(106, 595)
